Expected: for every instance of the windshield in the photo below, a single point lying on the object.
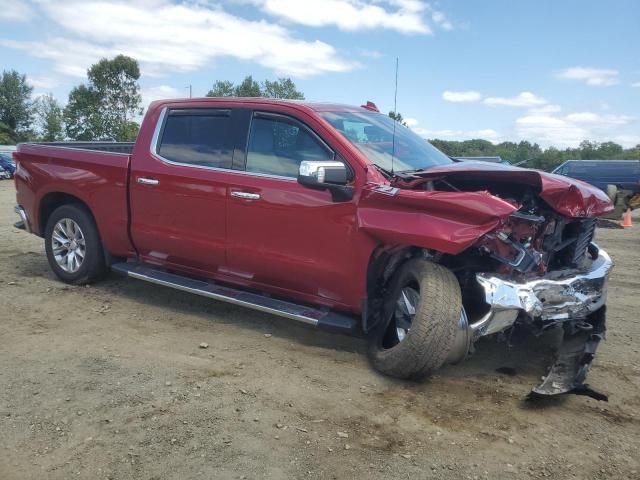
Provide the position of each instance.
(372, 133)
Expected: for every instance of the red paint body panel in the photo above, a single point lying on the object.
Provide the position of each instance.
(294, 242)
(99, 179)
(567, 196)
(293, 237)
(448, 222)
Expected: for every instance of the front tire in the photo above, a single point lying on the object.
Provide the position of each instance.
(73, 245)
(423, 308)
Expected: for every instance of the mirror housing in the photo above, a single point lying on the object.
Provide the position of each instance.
(320, 173)
(326, 175)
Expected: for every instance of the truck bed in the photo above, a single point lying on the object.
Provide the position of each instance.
(95, 173)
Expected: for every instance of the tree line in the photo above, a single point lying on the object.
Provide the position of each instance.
(106, 107)
(103, 108)
(531, 155)
(109, 104)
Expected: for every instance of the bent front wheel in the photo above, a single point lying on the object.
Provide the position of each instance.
(423, 309)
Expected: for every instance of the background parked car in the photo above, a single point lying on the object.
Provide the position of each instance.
(7, 167)
(619, 178)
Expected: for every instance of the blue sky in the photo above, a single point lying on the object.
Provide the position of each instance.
(552, 72)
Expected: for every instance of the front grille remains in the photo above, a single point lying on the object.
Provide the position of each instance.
(567, 246)
(584, 236)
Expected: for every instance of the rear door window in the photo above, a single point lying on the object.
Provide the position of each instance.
(278, 144)
(197, 137)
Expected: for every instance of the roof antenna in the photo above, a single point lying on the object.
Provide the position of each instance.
(395, 116)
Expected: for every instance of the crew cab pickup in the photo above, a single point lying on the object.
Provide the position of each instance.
(334, 216)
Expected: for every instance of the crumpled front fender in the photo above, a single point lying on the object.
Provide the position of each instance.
(449, 222)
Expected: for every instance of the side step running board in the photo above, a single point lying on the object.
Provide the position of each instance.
(321, 318)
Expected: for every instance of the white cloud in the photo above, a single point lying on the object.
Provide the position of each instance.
(636, 85)
(405, 16)
(523, 99)
(597, 119)
(43, 82)
(15, 11)
(148, 30)
(544, 109)
(460, 97)
(160, 92)
(411, 122)
(70, 57)
(451, 134)
(592, 76)
(569, 130)
(440, 19)
(375, 54)
(549, 130)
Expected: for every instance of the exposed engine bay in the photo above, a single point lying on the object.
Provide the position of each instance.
(537, 268)
(531, 241)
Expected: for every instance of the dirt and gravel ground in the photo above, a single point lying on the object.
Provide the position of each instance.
(109, 382)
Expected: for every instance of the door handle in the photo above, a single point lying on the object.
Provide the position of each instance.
(246, 195)
(147, 181)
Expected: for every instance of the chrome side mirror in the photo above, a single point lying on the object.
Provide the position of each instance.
(326, 175)
(319, 173)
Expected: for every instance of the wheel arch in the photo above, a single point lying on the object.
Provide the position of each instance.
(53, 200)
(383, 262)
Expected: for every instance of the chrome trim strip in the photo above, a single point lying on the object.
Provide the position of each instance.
(22, 213)
(216, 296)
(75, 149)
(153, 151)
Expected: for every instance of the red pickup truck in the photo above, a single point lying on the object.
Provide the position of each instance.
(331, 215)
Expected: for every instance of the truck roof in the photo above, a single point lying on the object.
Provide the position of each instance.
(315, 106)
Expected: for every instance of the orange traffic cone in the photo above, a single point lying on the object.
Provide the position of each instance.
(626, 219)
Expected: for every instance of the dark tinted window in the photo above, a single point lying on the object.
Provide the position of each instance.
(198, 137)
(277, 146)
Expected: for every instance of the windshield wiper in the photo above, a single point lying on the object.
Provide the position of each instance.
(387, 173)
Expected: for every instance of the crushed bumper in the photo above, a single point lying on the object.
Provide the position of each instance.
(557, 297)
(573, 298)
(574, 359)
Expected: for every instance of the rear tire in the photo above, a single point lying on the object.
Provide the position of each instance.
(71, 228)
(426, 345)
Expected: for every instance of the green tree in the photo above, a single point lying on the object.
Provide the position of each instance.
(536, 157)
(82, 117)
(222, 88)
(15, 104)
(48, 118)
(397, 116)
(248, 88)
(588, 150)
(7, 136)
(105, 108)
(609, 150)
(281, 88)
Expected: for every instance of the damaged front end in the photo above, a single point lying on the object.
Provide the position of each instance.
(574, 299)
(547, 273)
(536, 267)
